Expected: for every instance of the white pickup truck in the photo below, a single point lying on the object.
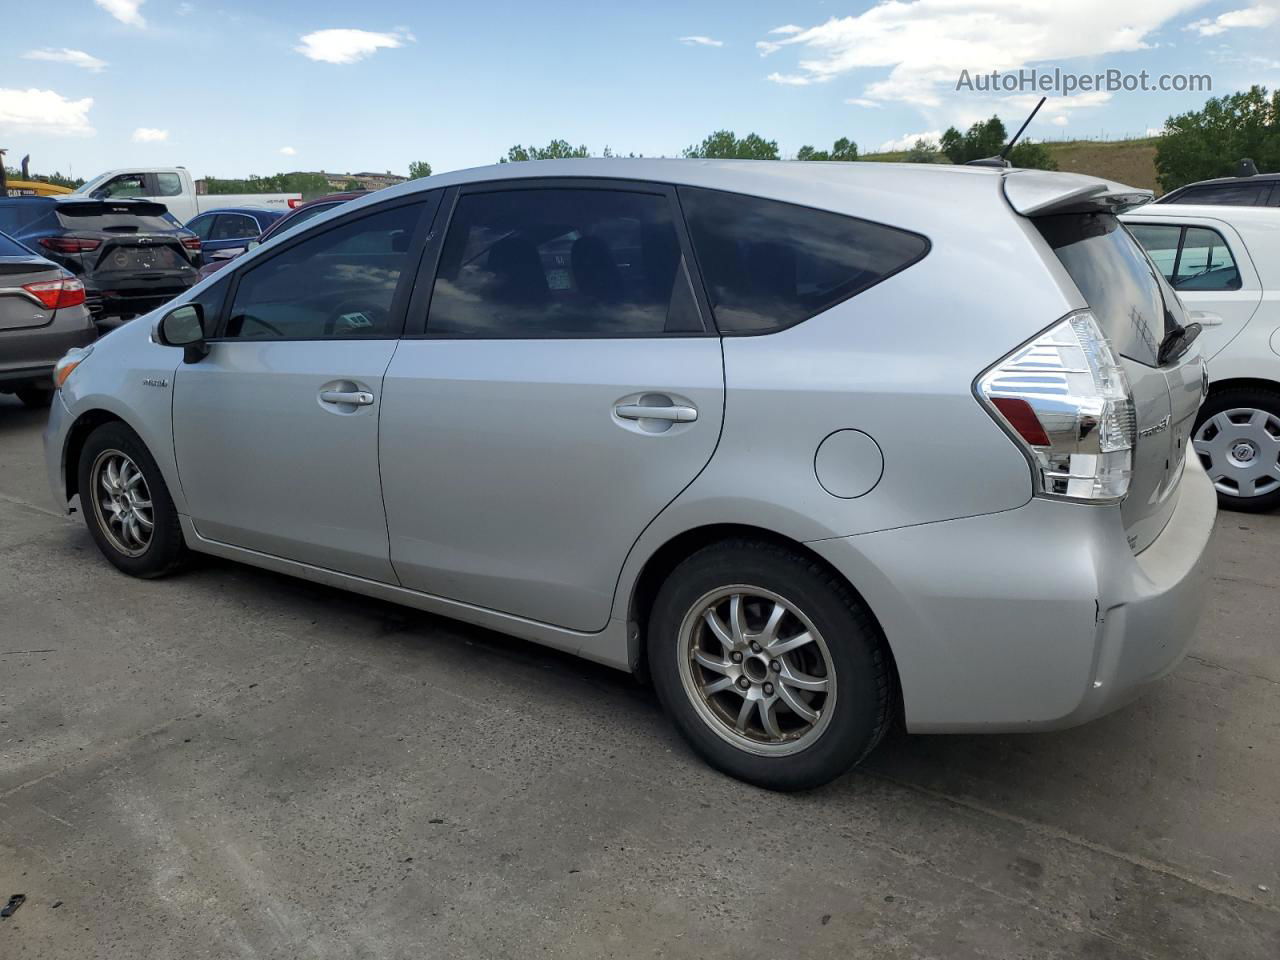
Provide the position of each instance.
(174, 187)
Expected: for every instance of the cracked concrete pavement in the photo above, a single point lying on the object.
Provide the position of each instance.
(231, 763)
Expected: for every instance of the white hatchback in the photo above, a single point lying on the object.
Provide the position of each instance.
(1225, 264)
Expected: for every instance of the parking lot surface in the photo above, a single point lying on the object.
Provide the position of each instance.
(231, 763)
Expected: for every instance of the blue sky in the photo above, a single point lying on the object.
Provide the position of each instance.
(228, 88)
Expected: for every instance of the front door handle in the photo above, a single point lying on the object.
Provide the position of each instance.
(360, 398)
(672, 413)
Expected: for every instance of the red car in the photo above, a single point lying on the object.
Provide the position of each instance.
(298, 215)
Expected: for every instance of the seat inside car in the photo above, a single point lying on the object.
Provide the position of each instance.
(595, 272)
(517, 271)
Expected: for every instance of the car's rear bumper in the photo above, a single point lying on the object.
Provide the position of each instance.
(28, 356)
(1035, 618)
(129, 297)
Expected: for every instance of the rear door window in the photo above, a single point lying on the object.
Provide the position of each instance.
(1228, 194)
(562, 262)
(769, 265)
(1205, 262)
(1130, 299)
(234, 226)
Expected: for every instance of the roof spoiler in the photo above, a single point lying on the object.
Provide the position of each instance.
(1034, 193)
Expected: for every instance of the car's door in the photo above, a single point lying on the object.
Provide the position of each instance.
(276, 429)
(1207, 263)
(559, 391)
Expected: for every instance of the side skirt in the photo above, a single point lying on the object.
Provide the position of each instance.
(608, 647)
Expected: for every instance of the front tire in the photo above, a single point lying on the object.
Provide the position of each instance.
(1237, 438)
(126, 504)
(771, 667)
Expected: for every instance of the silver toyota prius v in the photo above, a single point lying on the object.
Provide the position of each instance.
(813, 446)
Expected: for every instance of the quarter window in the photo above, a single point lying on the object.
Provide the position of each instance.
(769, 265)
(338, 284)
(562, 263)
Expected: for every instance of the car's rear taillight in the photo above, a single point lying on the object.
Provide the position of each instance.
(1065, 397)
(191, 243)
(295, 202)
(69, 244)
(56, 294)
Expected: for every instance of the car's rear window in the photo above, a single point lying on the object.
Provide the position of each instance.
(105, 215)
(17, 213)
(769, 265)
(1130, 299)
(11, 248)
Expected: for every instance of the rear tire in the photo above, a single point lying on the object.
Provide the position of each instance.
(35, 397)
(753, 696)
(1237, 437)
(126, 504)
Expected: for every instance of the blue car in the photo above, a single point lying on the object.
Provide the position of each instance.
(224, 233)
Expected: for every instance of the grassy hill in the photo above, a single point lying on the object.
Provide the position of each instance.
(1127, 161)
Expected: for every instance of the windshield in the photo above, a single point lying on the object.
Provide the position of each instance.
(1132, 302)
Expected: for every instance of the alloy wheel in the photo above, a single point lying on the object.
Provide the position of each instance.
(121, 502)
(757, 670)
(1240, 450)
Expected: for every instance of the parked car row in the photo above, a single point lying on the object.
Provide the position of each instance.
(814, 449)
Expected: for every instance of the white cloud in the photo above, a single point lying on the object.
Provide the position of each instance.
(787, 29)
(1155, 131)
(1060, 121)
(150, 135)
(126, 11)
(1091, 98)
(347, 45)
(863, 102)
(925, 44)
(288, 151)
(1259, 15)
(908, 140)
(796, 79)
(701, 42)
(44, 111)
(77, 58)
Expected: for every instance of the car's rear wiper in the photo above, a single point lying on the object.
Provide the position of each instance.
(1176, 342)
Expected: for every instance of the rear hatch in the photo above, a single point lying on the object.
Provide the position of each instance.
(1137, 310)
(127, 243)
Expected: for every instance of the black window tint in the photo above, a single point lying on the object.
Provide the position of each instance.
(561, 262)
(1130, 299)
(1230, 194)
(340, 283)
(201, 226)
(769, 265)
(119, 217)
(211, 299)
(1205, 262)
(234, 226)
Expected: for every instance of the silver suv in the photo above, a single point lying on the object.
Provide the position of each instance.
(814, 446)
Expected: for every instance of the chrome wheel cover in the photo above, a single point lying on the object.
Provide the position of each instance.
(121, 502)
(756, 670)
(1240, 450)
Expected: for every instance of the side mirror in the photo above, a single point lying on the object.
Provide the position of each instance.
(184, 327)
(252, 245)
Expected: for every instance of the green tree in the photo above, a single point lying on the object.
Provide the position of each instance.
(56, 178)
(1206, 143)
(419, 169)
(987, 138)
(725, 145)
(307, 184)
(925, 151)
(555, 150)
(842, 149)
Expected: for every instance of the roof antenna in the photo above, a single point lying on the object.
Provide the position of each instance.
(1001, 159)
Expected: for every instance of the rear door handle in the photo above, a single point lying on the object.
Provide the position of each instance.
(1205, 318)
(672, 413)
(361, 398)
